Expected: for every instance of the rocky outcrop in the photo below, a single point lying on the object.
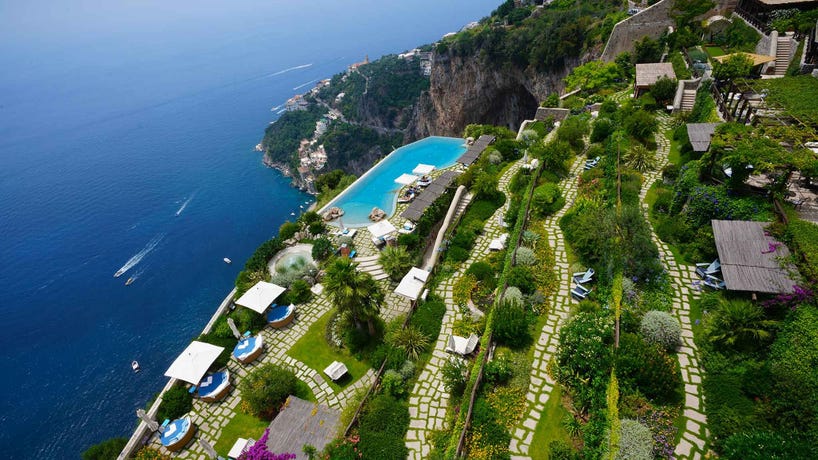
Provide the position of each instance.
(468, 90)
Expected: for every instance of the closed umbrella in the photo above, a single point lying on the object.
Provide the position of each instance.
(233, 328)
(208, 448)
(152, 425)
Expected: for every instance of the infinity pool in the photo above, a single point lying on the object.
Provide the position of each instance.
(377, 186)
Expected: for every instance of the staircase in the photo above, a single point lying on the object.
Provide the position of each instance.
(688, 100)
(370, 265)
(783, 53)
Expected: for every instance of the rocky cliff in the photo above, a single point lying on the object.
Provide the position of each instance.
(465, 90)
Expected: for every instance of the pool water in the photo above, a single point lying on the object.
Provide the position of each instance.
(377, 186)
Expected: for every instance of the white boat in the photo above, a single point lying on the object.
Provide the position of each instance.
(135, 366)
(130, 281)
(227, 261)
(119, 273)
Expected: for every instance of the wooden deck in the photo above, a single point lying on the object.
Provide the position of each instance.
(302, 422)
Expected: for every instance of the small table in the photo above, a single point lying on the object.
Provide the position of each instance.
(239, 447)
(336, 370)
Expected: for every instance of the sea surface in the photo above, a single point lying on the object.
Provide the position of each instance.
(126, 141)
(377, 188)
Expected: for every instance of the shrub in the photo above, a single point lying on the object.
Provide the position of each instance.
(530, 238)
(513, 295)
(411, 340)
(511, 324)
(392, 384)
(457, 254)
(661, 328)
(317, 228)
(409, 240)
(525, 256)
(382, 428)
(547, 199)
(321, 248)
(454, 374)
(498, 370)
(266, 388)
(573, 130)
(176, 402)
(635, 442)
(481, 271)
(288, 230)
(248, 320)
(602, 129)
(522, 278)
(495, 158)
(647, 368)
(585, 356)
(641, 125)
(105, 450)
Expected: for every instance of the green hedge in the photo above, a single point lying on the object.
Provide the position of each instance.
(382, 428)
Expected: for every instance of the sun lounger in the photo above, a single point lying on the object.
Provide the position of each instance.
(462, 345)
(580, 292)
(714, 283)
(336, 370)
(705, 270)
(584, 277)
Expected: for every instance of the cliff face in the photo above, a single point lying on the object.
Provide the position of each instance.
(465, 90)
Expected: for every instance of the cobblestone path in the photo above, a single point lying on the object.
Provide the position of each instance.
(429, 399)
(692, 444)
(541, 384)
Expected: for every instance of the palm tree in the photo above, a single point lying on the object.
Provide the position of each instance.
(640, 158)
(738, 323)
(353, 292)
(395, 261)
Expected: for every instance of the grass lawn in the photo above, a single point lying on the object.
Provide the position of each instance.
(549, 428)
(714, 51)
(240, 426)
(675, 154)
(313, 350)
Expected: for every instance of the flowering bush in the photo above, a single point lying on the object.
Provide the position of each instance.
(258, 451)
(585, 356)
(661, 328)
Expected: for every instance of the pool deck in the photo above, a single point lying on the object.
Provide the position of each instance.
(374, 169)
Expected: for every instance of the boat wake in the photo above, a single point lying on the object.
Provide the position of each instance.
(281, 111)
(136, 258)
(184, 205)
(305, 84)
(276, 108)
(303, 66)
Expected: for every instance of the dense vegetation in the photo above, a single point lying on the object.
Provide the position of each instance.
(346, 143)
(281, 138)
(537, 41)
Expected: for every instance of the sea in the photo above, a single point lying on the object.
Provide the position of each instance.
(126, 143)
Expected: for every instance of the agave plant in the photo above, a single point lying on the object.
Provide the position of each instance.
(640, 158)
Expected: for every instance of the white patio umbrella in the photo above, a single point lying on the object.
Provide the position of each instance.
(152, 425)
(233, 328)
(208, 448)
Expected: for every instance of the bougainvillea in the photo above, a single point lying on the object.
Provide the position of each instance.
(258, 451)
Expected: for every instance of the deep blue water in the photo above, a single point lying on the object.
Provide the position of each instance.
(113, 115)
(378, 187)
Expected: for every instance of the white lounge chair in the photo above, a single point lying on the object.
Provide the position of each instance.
(705, 270)
(462, 345)
(336, 370)
(584, 277)
(713, 282)
(580, 292)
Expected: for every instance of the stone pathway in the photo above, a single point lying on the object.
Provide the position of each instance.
(211, 418)
(693, 443)
(541, 384)
(429, 399)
